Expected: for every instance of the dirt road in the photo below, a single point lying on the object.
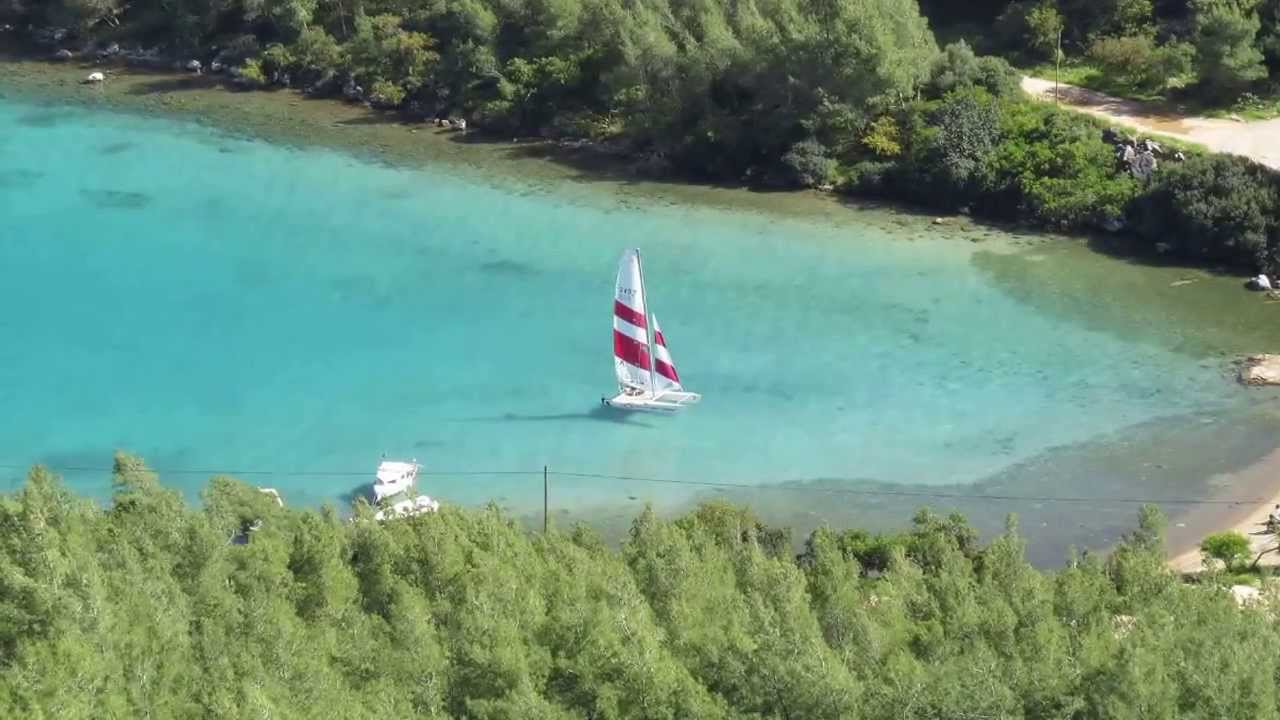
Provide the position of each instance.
(1258, 140)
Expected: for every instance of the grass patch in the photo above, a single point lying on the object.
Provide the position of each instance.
(1263, 105)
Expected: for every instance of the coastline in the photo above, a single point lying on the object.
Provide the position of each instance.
(1261, 478)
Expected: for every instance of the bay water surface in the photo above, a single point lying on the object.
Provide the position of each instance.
(216, 302)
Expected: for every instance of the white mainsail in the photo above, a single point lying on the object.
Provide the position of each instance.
(630, 326)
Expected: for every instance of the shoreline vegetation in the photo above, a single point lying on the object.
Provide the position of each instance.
(243, 607)
(857, 99)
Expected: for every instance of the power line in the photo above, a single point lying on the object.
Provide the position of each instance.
(861, 492)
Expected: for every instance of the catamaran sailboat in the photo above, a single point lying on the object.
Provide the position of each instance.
(642, 385)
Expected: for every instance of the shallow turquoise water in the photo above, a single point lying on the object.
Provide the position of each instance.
(215, 302)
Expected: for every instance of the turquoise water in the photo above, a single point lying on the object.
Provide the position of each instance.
(216, 302)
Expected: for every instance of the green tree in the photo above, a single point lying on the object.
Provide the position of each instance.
(1227, 54)
(1228, 548)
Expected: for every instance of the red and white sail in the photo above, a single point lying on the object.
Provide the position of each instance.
(665, 375)
(631, 326)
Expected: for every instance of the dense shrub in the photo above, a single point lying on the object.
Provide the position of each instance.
(250, 74)
(1218, 208)
(316, 54)
(947, 160)
(1229, 548)
(386, 94)
(1139, 62)
(958, 68)
(808, 165)
(1055, 169)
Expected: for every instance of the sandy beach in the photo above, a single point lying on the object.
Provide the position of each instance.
(1261, 480)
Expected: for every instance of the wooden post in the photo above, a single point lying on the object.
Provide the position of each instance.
(545, 494)
(1057, 69)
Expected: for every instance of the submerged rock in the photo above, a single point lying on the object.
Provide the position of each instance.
(1261, 370)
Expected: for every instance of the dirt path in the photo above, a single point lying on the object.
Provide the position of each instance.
(1257, 140)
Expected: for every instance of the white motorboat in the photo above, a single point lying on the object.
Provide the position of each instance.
(646, 373)
(394, 477)
(408, 507)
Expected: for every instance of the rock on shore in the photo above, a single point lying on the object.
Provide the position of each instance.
(1261, 370)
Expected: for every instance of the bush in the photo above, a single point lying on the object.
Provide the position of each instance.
(1218, 208)
(250, 74)
(869, 177)
(966, 130)
(1230, 548)
(1054, 168)
(276, 60)
(883, 138)
(808, 165)
(1138, 62)
(316, 54)
(959, 68)
(386, 94)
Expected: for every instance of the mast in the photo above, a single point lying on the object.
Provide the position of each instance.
(648, 324)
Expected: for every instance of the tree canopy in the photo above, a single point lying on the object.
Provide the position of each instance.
(150, 608)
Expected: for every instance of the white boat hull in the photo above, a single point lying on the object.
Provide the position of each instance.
(665, 403)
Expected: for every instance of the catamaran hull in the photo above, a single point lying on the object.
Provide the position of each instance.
(671, 403)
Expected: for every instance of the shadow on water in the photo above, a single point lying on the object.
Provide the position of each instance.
(373, 117)
(1136, 251)
(363, 491)
(508, 268)
(119, 199)
(602, 413)
(170, 84)
(116, 148)
(19, 177)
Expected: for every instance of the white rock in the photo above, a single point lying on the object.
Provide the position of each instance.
(1246, 595)
(194, 66)
(95, 77)
(63, 54)
(1261, 370)
(1259, 282)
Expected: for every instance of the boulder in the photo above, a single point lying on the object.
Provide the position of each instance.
(1259, 282)
(109, 51)
(352, 91)
(63, 54)
(326, 85)
(194, 66)
(95, 77)
(1260, 370)
(1246, 595)
(49, 35)
(1113, 224)
(216, 67)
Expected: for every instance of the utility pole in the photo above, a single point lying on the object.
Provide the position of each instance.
(545, 495)
(1057, 69)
